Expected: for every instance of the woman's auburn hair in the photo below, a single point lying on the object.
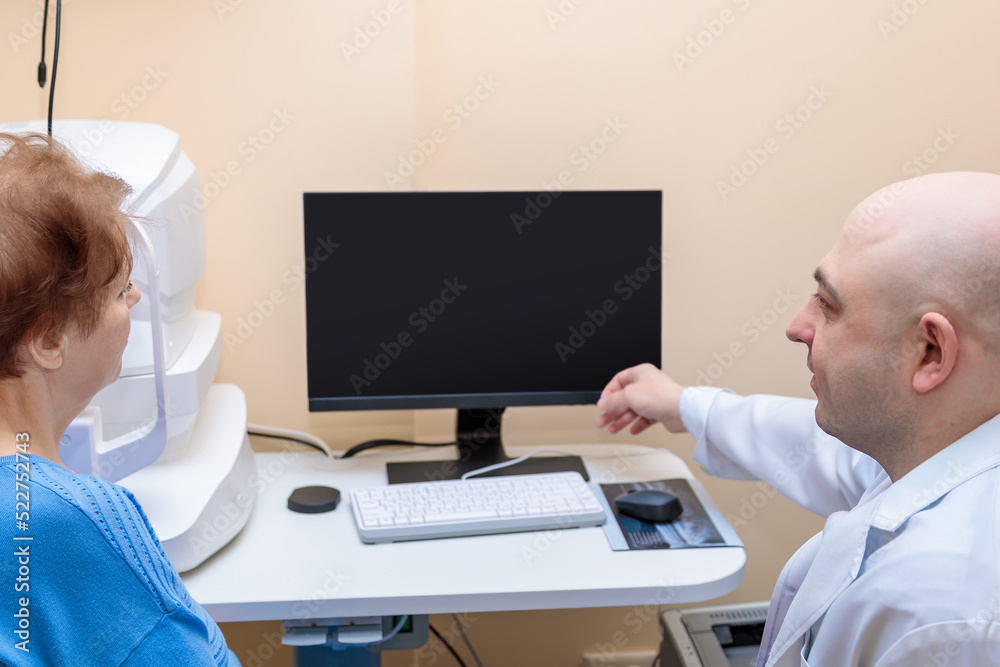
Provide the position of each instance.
(63, 243)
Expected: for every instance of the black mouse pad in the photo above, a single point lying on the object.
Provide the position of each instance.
(693, 528)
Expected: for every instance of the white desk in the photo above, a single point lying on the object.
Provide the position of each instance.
(286, 566)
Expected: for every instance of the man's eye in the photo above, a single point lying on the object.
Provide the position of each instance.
(821, 301)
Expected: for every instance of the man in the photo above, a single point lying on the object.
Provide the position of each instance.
(903, 339)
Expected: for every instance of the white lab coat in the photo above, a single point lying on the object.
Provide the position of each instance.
(904, 574)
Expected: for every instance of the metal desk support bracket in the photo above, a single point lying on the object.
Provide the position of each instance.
(351, 641)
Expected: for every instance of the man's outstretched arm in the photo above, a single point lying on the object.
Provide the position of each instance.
(769, 438)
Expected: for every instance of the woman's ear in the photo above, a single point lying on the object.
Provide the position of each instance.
(937, 342)
(47, 352)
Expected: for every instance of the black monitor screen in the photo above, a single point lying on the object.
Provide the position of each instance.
(478, 299)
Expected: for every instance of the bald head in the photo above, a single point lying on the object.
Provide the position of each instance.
(932, 243)
(904, 329)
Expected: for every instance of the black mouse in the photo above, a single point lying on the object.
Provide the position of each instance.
(649, 505)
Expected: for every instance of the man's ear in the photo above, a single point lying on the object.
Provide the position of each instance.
(47, 352)
(937, 345)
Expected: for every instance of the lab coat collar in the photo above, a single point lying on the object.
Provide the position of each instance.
(886, 507)
(968, 456)
(831, 571)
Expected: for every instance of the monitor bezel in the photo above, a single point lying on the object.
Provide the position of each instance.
(460, 401)
(483, 400)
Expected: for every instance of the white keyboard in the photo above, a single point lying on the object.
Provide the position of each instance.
(476, 506)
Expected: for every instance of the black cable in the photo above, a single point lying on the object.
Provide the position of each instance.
(663, 635)
(286, 437)
(371, 444)
(41, 62)
(447, 646)
(465, 638)
(55, 63)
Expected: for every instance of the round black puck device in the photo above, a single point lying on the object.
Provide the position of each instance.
(314, 499)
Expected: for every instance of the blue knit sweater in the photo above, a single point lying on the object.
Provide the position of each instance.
(86, 581)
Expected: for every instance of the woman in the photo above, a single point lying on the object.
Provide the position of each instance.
(85, 578)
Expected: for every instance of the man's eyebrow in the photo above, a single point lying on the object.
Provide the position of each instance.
(822, 282)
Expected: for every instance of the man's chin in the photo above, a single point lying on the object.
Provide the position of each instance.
(823, 422)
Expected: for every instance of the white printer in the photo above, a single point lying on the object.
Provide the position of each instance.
(720, 636)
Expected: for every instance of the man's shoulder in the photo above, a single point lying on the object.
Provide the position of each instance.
(920, 589)
(962, 524)
(949, 540)
(940, 566)
(963, 643)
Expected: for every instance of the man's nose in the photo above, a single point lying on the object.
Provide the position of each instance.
(800, 329)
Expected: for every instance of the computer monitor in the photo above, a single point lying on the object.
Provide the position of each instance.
(478, 301)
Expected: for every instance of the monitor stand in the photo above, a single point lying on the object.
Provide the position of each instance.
(480, 445)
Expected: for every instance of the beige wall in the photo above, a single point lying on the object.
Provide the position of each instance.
(887, 80)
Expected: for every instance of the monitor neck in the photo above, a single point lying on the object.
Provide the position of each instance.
(477, 431)
(479, 445)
